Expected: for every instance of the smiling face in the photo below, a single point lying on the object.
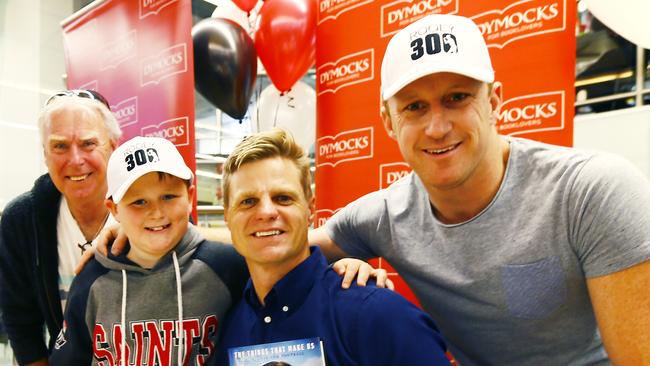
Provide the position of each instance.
(268, 214)
(154, 214)
(76, 148)
(445, 125)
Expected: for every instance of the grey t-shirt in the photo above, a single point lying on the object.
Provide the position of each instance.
(507, 287)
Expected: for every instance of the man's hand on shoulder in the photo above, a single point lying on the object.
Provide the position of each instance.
(350, 267)
(220, 234)
(111, 234)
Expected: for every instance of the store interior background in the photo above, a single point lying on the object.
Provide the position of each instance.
(612, 98)
(32, 68)
(610, 113)
(612, 81)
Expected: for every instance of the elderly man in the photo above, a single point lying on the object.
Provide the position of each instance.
(524, 253)
(292, 294)
(45, 230)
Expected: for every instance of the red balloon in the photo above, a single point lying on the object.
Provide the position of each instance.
(285, 40)
(245, 5)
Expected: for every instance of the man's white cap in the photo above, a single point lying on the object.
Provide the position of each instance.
(435, 43)
(139, 156)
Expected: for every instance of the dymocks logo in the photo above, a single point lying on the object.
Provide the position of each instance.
(391, 173)
(520, 20)
(174, 130)
(126, 111)
(321, 216)
(168, 62)
(331, 9)
(152, 7)
(118, 51)
(532, 113)
(346, 146)
(348, 70)
(400, 13)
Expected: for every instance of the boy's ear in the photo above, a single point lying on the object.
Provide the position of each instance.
(112, 206)
(191, 190)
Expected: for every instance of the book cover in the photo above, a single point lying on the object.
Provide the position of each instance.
(299, 352)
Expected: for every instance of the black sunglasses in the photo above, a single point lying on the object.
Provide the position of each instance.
(81, 93)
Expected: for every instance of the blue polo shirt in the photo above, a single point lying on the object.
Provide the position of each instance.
(358, 326)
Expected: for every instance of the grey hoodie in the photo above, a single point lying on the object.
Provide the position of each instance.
(196, 282)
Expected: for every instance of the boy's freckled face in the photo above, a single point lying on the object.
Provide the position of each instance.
(154, 215)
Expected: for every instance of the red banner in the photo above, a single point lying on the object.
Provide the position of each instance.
(528, 42)
(138, 54)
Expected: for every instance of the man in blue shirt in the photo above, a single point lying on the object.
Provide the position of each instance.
(292, 294)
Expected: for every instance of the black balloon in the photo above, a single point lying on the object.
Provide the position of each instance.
(225, 65)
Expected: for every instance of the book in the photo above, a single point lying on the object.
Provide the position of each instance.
(299, 352)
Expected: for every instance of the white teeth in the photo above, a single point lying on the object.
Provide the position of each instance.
(267, 233)
(440, 151)
(156, 228)
(78, 177)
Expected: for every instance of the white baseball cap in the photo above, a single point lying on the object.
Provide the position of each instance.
(435, 43)
(139, 156)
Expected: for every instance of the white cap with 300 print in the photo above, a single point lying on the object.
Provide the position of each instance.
(435, 43)
(139, 156)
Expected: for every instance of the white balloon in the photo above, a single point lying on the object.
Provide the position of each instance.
(295, 111)
(629, 18)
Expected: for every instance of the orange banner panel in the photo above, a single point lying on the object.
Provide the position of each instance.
(531, 43)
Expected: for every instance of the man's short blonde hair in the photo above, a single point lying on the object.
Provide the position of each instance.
(267, 145)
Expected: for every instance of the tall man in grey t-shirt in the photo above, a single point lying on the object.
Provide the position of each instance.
(524, 253)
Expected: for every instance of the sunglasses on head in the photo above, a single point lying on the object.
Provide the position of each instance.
(81, 93)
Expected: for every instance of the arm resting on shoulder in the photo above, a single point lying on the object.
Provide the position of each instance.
(220, 234)
(348, 268)
(621, 301)
(330, 249)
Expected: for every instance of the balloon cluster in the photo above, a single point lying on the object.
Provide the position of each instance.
(282, 33)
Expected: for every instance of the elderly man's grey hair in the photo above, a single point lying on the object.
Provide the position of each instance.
(70, 102)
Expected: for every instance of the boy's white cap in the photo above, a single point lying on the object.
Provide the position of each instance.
(446, 43)
(139, 156)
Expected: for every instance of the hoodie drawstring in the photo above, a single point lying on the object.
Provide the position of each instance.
(123, 321)
(179, 300)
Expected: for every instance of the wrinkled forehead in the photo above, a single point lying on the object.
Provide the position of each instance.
(81, 120)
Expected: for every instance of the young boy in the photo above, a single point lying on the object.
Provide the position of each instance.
(161, 303)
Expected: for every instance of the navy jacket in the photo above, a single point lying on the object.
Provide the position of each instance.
(359, 326)
(29, 292)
